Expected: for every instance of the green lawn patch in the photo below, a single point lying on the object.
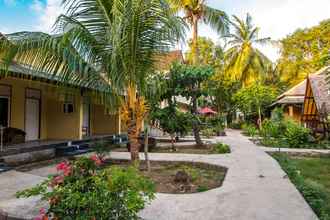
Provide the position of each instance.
(311, 176)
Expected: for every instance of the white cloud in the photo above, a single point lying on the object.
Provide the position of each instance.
(48, 14)
(37, 6)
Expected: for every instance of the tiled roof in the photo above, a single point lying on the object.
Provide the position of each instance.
(164, 61)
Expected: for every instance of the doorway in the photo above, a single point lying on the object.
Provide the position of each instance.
(4, 111)
(32, 114)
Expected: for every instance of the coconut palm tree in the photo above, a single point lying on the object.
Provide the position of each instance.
(244, 61)
(114, 40)
(197, 11)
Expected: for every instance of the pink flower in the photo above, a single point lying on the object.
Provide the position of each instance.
(42, 215)
(57, 180)
(65, 167)
(62, 166)
(96, 159)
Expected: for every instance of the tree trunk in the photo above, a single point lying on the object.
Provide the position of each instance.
(132, 133)
(195, 50)
(146, 147)
(173, 141)
(195, 124)
(259, 118)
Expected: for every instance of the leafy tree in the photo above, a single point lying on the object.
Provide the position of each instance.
(245, 62)
(304, 52)
(196, 11)
(112, 41)
(172, 122)
(188, 83)
(255, 99)
(220, 89)
(209, 53)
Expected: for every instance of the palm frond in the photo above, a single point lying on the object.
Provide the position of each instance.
(217, 19)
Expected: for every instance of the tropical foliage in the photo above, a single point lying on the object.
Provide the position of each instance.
(196, 11)
(82, 190)
(304, 52)
(110, 41)
(188, 81)
(244, 61)
(255, 99)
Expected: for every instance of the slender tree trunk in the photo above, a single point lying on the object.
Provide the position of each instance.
(195, 124)
(173, 141)
(133, 134)
(195, 40)
(146, 147)
(259, 118)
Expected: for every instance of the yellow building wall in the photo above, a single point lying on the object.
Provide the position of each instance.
(102, 123)
(54, 123)
(293, 112)
(17, 105)
(63, 125)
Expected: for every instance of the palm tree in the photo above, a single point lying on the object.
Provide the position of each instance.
(196, 11)
(245, 62)
(112, 40)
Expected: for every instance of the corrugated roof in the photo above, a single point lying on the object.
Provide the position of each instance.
(21, 71)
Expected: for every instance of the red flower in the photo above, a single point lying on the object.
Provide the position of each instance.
(65, 167)
(97, 160)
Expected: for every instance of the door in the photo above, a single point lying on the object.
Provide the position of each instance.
(4, 111)
(32, 119)
(86, 120)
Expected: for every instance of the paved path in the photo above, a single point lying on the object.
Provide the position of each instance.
(295, 150)
(254, 188)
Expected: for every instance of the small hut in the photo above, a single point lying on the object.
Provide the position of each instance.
(317, 102)
(292, 101)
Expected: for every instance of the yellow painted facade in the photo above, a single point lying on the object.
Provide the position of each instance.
(54, 123)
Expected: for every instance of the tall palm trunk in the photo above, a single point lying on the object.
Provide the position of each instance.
(195, 124)
(133, 134)
(195, 50)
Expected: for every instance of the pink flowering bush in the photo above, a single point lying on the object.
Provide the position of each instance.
(84, 189)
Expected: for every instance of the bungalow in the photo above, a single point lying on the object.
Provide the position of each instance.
(33, 102)
(292, 101)
(316, 106)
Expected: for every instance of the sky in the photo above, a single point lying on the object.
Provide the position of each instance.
(275, 18)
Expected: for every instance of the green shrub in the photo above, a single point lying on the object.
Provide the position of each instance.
(296, 135)
(272, 129)
(249, 130)
(207, 132)
(202, 188)
(236, 125)
(101, 149)
(192, 172)
(82, 190)
(221, 148)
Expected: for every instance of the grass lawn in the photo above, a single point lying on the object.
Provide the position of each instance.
(316, 169)
(311, 175)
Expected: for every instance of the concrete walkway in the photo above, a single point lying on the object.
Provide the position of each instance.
(296, 150)
(255, 188)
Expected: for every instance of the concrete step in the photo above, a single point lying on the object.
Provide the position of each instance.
(3, 166)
